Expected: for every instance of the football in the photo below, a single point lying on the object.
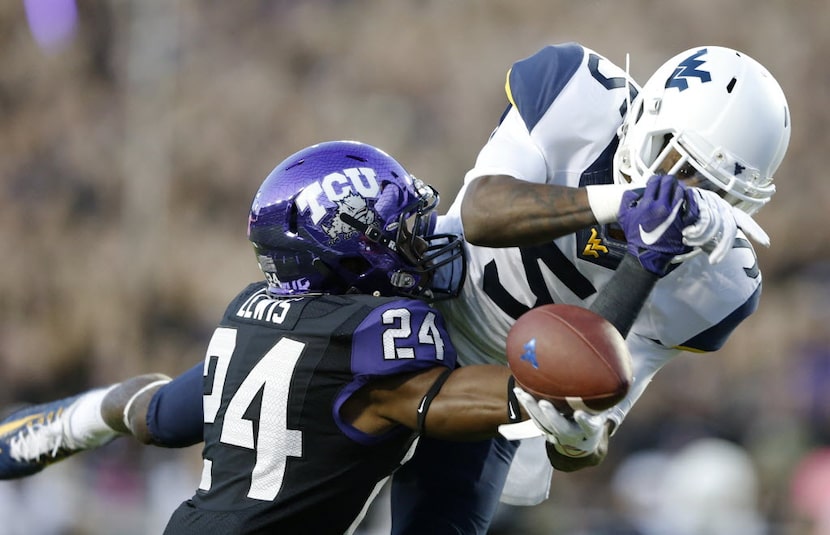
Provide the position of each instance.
(570, 356)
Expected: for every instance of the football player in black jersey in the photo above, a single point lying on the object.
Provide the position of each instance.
(319, 380)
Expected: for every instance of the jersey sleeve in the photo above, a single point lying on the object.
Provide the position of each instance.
(534, 83)
(698, 306)
(397, 337)
(401, 336)
(566, 103)
(696, 312)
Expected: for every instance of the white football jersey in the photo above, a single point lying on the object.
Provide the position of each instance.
(566, 104)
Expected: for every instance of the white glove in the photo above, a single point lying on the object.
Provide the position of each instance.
(575, 438)
(717, 227)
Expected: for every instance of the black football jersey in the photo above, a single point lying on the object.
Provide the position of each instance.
(278, 458)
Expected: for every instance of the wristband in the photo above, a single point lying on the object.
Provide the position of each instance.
(125, 416)
(514, 414)
(605, 200)
(426, 401)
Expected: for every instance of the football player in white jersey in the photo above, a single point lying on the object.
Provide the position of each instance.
(539, 209)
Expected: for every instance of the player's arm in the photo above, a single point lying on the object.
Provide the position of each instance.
(507, 202)
(470, 404)
(666, 208)
(502, 211)
(507, 199)
(620, 301)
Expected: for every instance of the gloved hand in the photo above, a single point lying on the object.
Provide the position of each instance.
(716, 229)
(575, 438)
(653, 220)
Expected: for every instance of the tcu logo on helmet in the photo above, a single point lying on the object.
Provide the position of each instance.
(688, 68)
(334, 187)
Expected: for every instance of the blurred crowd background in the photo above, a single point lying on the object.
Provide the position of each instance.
(133, 134)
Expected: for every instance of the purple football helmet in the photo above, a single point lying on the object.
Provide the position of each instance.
(344, 217)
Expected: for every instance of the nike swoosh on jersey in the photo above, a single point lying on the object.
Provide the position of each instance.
(17, 424)
(651, 236)
(421, 406)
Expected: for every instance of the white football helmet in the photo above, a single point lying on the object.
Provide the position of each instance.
(722, 111)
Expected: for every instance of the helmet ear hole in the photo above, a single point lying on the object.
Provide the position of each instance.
(356, 264)
(292, 218)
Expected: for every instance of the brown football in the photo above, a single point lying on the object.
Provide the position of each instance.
(570, 356)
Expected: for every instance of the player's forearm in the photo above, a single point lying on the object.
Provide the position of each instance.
(622, 298)
(471, 405)
(501, 211)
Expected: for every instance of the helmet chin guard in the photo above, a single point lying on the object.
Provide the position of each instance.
(722, 112)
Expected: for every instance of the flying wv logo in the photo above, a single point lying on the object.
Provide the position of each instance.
(688, 68)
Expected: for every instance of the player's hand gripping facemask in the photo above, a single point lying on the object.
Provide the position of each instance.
(653, 220)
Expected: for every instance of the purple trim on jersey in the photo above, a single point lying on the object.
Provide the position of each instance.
(535, 82)
(350, 431)
(398, 337)
(401, 336)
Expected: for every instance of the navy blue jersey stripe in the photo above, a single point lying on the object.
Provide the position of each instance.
(714, 337)
(535, 82)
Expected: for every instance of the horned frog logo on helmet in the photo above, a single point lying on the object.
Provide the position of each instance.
(355, 206)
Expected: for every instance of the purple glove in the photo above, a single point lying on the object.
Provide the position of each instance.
(653, 220)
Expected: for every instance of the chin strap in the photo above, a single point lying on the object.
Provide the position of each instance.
(398, 279)
(372, 232)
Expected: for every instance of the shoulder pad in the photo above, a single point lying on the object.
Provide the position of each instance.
(535, 82)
